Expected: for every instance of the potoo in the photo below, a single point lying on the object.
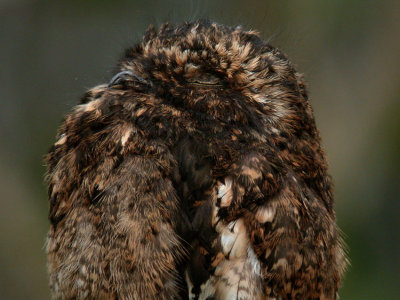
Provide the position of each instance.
(195, 173)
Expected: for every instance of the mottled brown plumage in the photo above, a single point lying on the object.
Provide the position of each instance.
(196, 173)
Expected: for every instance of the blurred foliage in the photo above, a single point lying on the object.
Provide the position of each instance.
(51, 51)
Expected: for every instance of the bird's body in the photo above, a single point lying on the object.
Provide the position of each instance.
(197, 173)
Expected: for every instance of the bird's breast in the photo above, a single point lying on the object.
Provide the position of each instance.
(228, 265)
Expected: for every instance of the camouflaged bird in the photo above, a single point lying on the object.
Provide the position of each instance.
(196, 173)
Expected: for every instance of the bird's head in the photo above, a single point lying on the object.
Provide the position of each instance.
(204, 65)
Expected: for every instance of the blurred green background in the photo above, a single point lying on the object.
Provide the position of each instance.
(51, 51)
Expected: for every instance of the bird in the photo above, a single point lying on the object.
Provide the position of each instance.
(196, 172)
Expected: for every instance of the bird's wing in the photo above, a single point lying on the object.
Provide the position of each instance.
(113, 208)
(275, 238)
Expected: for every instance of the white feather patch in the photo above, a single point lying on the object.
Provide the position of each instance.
(225, 192)
(265, 214)
(254, 262)
(227, 241)
(62, 140)
(126, 136)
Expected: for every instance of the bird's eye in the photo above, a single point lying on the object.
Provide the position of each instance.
(127, 77)
(205, 80)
